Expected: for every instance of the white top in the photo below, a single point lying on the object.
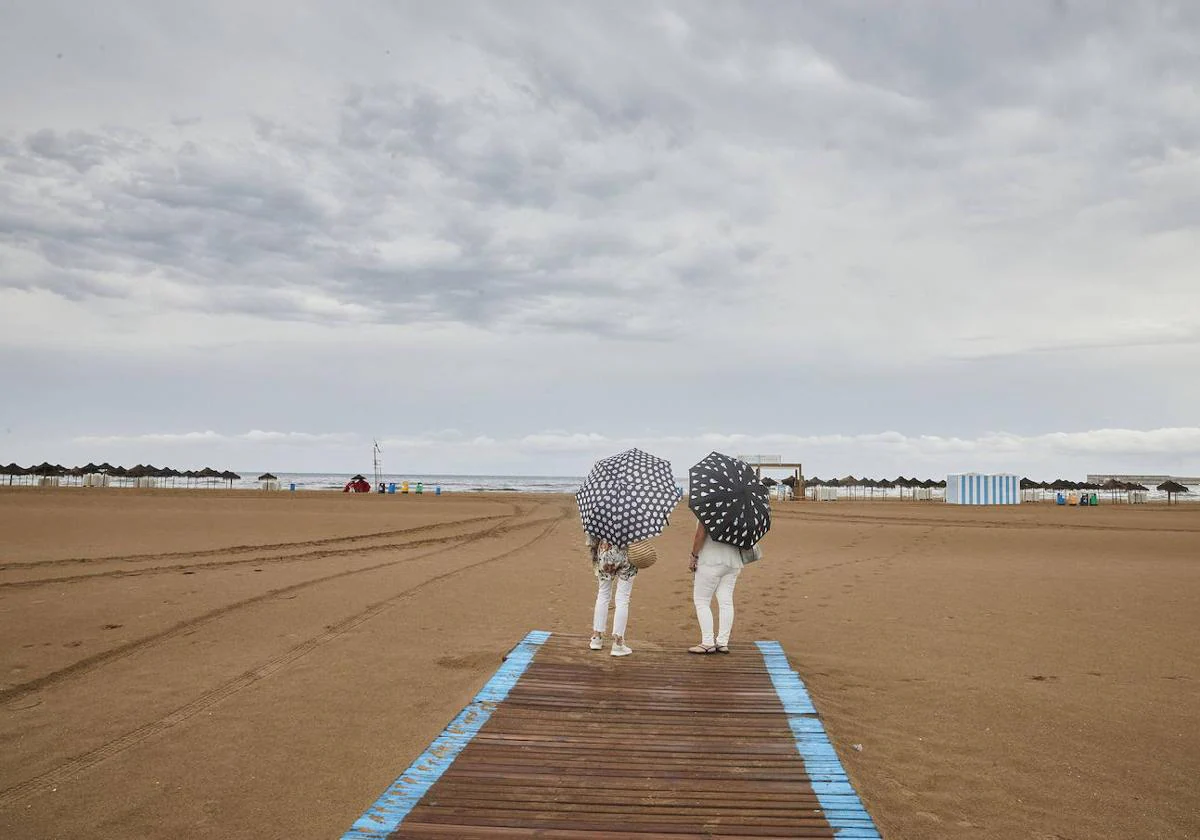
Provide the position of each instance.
(714, 553)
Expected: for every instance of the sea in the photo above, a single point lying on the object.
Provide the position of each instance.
(430, 482)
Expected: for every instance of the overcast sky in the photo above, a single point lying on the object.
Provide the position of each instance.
(518, 236)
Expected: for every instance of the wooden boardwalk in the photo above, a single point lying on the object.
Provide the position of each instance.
(571, 744)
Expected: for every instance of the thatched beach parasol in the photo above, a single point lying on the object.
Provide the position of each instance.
(1172, 489)
(1113, 487)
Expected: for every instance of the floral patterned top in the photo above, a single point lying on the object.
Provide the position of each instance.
(616, 559)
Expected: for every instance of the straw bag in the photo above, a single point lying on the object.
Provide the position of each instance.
(642, 555)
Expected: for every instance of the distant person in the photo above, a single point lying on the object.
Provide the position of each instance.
(717, 566)
(610, 563)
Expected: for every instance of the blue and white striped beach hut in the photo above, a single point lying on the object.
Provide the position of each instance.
(983, 489)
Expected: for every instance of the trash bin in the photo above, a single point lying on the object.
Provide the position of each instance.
(1094, 500)
(404, 487)
(420, 488)
(437, 490)
(392, 487)
(1060, 499)
(292, 487)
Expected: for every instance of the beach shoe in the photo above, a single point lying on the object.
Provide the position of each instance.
(621, 650)
(722, 648)
(596, 643)
(701, 649)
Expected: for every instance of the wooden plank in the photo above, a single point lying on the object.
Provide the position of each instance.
(661, 745)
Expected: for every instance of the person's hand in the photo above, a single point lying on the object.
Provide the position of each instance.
(692, 565)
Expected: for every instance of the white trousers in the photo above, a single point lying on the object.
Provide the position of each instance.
(718, 580)
(620, 614)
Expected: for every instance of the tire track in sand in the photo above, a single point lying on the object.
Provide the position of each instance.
(97, 660)
(78, 764)
(247, 549)
(360, 544)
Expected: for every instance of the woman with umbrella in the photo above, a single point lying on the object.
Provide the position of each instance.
(625, 499)
(610, 563)
(732, 513)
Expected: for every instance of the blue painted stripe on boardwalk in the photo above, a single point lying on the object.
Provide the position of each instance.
(842, 808)
(382, 818)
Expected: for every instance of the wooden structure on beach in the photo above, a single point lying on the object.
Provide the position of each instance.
(570, 744)
(776, 462)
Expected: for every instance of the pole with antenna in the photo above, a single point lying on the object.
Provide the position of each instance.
(377, 453)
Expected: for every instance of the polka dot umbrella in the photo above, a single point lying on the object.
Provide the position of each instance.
(728, 498)
(627, 497)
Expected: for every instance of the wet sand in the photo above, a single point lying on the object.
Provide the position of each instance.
(178, 664)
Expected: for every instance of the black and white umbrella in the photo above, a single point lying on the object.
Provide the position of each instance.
(729, 499)
(627, 497)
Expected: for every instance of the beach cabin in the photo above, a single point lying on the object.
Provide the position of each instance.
(983, 489)
(781, 492)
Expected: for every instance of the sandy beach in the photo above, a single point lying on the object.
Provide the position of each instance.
(178, 664)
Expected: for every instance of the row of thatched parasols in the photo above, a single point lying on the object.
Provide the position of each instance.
(867, 484)
(1063, 484)
(47, 470)
(1171, 488)
(1112, 486)
(883, 483)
